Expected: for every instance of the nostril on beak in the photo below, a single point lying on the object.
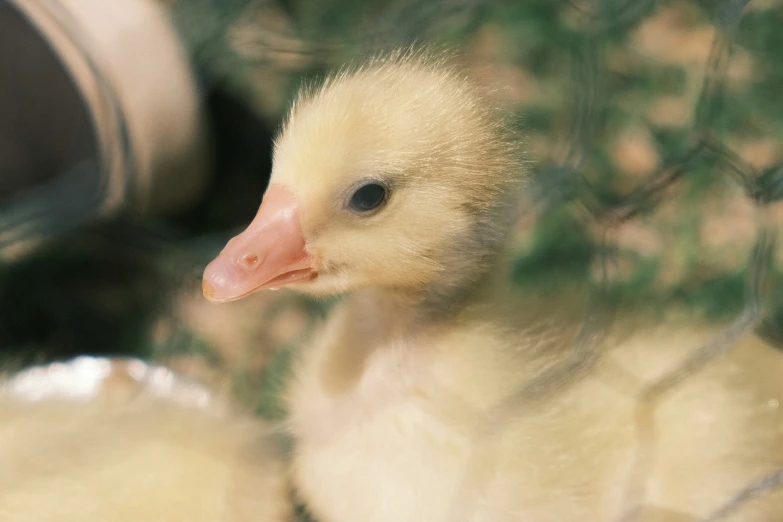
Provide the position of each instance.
(249, 260)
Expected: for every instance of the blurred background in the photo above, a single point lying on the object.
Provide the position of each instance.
(133, 147)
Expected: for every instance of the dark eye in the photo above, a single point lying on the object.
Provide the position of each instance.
(368, 197)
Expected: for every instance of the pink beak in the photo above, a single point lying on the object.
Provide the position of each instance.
(270, 253)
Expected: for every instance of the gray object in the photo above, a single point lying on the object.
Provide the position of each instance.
(99, 113)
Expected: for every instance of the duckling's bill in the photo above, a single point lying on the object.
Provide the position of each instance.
(270, 253)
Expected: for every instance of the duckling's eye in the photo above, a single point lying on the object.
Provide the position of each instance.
(368, 197)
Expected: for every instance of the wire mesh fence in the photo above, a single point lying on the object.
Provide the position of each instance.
(705, 141)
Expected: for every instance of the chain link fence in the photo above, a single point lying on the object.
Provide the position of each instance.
(704, 150)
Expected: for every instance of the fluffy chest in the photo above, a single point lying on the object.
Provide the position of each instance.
(396, 431)
(379, 438)
(403, 444)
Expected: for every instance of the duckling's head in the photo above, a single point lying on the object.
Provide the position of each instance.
(397, 174)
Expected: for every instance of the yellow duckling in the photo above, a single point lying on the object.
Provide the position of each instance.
(427, 396)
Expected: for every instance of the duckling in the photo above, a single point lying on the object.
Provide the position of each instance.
(431, 393)
(126, 455)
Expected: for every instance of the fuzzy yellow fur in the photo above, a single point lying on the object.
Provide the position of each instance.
(463, 423)
(135, 459)
(415, 121)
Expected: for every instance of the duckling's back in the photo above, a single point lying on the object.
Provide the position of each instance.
(134, 460)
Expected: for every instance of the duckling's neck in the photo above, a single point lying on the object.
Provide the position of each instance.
(441, 302)
(377, 318)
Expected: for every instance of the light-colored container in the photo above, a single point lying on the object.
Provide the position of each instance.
(132, 72)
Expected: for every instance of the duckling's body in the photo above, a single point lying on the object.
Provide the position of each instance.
(134, 459)
(463, 423)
